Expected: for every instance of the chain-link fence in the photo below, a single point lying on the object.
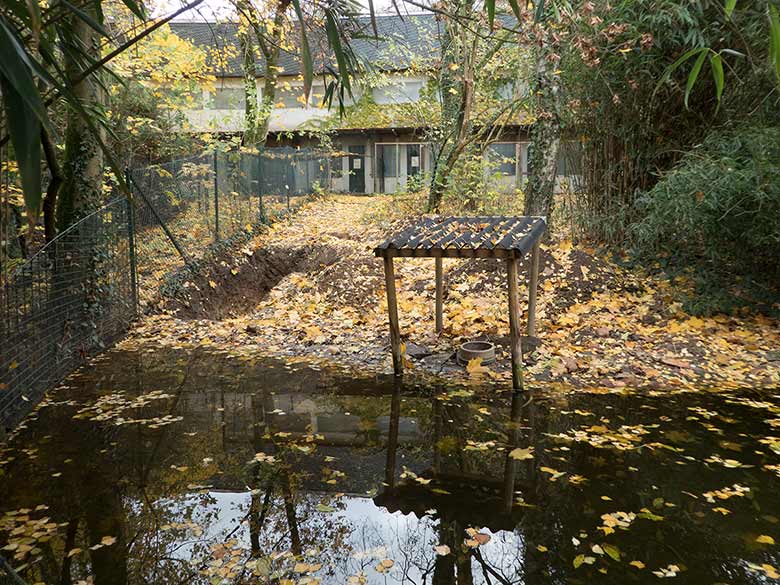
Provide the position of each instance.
(79, 293)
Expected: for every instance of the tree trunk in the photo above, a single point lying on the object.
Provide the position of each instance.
(269, 41)
(55, 180)
(545, 135)
(251, 107)
(457, 97)
(81, 190)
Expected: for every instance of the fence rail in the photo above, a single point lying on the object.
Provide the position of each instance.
(80, 292)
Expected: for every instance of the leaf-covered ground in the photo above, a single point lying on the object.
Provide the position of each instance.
(310, 286)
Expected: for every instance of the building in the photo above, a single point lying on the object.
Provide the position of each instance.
(384, 134)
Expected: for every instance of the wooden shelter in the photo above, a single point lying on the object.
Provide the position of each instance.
(508, 238)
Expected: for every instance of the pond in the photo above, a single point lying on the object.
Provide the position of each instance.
(195, 466)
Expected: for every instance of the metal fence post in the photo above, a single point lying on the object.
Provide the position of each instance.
(290, 178)
(131, 245)
(216, 198)
(263, 218)
(162, 223)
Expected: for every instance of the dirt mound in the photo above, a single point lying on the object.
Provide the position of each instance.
(571, 276)
(235, 283)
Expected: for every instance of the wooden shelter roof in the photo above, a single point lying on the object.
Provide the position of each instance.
(465, 237)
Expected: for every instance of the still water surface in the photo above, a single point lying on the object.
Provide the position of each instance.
(184, 467)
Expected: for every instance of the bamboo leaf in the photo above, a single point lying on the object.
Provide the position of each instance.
(491, 10)
(91, 22)
(308, 67)
(774, 42)
(16, 67)
(334, 39)
(675, 66)
(539, 14)
(730, 5)
(24, 128)
(716, 64)
(135, 8)
(693, 75)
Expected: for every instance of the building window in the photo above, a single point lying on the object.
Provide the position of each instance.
(317, 95)
(504, 158)
(229, 98)
(399, 92)
(389, 160)
(289, 97)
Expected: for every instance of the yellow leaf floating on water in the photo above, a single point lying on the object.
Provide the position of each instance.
(541, 548)
(521, 454)
(612, 551)
(477, 538)
(765, 539)
(580, 559)
(384, 565)
(770, 571)
(475, 367)
(108, 540)
(637, 564)
(555, 474)
(442, 550)
(306, 567)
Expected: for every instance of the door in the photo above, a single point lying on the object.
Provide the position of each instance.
(357, 168)
(413, 160)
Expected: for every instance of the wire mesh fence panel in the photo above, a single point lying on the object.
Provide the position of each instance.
(183, 194)
(8, 576)
(239, 200)
(212, 196)
(79, 293)
(66, 303)
(286, 173)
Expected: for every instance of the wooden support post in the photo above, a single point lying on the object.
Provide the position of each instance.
(514, 325)
(392, 312)
(392, 434)
(439, 296)
(532, 290)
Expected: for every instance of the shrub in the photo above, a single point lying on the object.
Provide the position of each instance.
(721, 204)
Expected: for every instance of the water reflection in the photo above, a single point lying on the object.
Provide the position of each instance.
(197, 467)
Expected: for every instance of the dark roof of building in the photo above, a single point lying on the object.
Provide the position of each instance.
(402, 41)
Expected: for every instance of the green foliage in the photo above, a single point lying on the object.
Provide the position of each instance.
(475, 186)
(721, 203)
(629, 108)
(145, 129)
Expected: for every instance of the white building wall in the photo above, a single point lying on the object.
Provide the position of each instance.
(400, 89)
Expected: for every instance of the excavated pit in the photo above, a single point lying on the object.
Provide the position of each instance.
(226, 288)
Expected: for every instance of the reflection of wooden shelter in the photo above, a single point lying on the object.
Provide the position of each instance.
(508, 238)
(459, 496)
(471, 500)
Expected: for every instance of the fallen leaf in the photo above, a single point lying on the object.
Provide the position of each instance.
(521, 454)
